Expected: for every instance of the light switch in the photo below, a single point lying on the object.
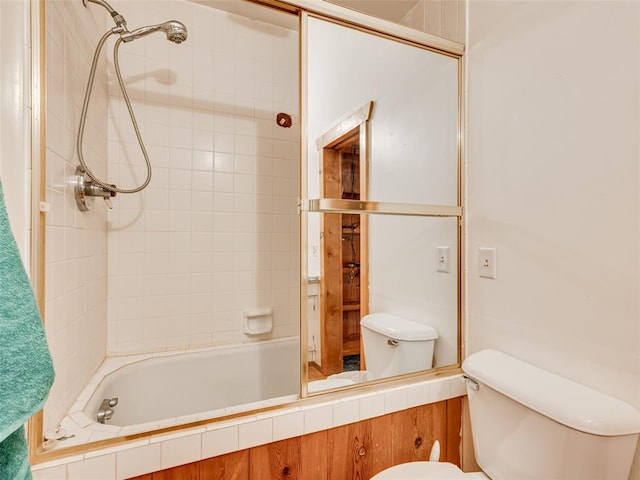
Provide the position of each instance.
(443, 259)
(487, 262)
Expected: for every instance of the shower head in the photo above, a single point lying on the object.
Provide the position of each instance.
(175, 31)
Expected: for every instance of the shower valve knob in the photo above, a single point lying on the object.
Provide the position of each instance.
(85, 188)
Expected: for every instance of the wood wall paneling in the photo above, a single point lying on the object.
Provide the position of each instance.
(356, 451)
(414, 432)
(315, 461)
(232, 466)
(190, 471)
(276, 461)
(360, 450)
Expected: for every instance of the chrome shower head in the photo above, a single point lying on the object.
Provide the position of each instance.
(175, 31)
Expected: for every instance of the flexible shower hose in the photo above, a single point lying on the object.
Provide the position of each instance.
(83, 118)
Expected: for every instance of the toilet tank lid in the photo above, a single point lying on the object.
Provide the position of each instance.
(565, 401)
(398, 328)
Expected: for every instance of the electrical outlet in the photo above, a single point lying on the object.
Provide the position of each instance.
(443, 259)
(487, 262)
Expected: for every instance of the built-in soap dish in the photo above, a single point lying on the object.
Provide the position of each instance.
(258, 321)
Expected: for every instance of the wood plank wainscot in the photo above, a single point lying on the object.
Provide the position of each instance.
(356, 451)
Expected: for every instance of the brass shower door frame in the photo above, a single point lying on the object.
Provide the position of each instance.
(301, 8)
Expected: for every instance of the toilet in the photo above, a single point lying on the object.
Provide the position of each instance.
(395, 345)
(530, 424)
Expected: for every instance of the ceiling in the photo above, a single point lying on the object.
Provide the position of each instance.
(393, 10)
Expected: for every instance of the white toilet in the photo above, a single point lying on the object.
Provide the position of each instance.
(394, 345)
(530, 424)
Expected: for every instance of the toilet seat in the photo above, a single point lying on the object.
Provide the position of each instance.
(421, 471)
(425, 471)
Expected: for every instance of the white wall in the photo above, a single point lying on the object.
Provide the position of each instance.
(553, 183)
(15, 118)
(412, 159)
(76, 246)
(216, 232)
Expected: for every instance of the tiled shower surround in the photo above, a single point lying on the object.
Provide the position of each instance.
(215, 233)
(76, 242)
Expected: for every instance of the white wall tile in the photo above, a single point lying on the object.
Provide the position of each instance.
(51, 473)
(439, 390)
(182, 450)
(288, 425)
(230, 151)
(418, 394)
(396, 399)
(255, 433)
(97, 468)
(83, 248)
(137, 461)
(346, 411)
(317, 418)
(220, 441)
(458, 386)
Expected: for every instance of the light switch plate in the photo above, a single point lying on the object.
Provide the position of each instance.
(443, 259)
(487, 262)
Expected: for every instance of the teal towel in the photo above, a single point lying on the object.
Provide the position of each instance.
(26, 369)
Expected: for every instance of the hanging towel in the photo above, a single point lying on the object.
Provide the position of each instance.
(26, 369)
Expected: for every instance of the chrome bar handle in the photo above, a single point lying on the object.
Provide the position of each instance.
(473, 384)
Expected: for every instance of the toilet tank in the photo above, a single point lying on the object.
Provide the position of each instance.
(530, 424)
(394, 345)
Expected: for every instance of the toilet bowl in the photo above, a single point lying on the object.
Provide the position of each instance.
(531, 424)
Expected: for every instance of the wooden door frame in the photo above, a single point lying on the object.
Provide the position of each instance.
(346, 131)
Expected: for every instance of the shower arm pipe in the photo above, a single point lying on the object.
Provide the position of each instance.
(117, 18)
(85, 107)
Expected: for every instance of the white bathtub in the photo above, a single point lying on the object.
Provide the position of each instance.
(166, 389)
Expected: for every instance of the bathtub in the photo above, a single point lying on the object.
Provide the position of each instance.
(166, 389)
